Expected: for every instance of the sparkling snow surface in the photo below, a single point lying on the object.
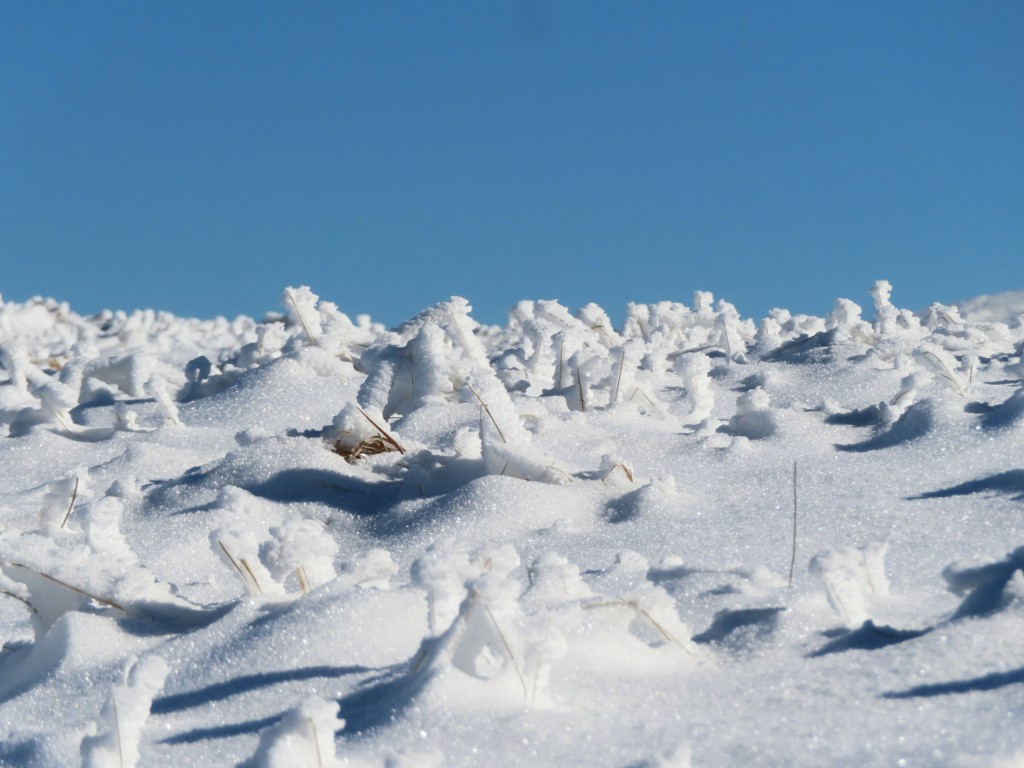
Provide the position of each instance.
(315, 541)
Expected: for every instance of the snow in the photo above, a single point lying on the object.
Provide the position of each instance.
(312, 540)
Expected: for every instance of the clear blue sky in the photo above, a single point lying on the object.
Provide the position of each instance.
(199, 156)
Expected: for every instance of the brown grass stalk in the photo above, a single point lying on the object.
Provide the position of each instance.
(618, 379)
(946, 373)
(252, 575)
(626, 470)
(71, 505)
(792, 559)
(504, 641)
(384, 434)
(488, 410)
(102, 600)
(640, 610)
(117, 728)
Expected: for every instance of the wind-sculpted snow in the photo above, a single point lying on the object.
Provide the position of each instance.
(692, 539)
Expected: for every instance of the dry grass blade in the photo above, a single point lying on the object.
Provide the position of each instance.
(537, 667)
(560, 471)
(20, 599)
(62, 420)
(385, 436)
(316, 742)
(231, 559)
(946, 373)
(792, 559)
(412, 373)
(669, 637)
(579, 386)
(300, 574)
(626, 471)
(644, 394)
(298, 313)
(369, 447)
(727, 344)
(246, 572)
(252, 576)
(601, 329)
(117, 728)
(508, 648)
(561, 346)
(618, 379)
(71, 505)
(102, 600)
(488, 410)
(551, 316)
(830, 587)
(417, 663)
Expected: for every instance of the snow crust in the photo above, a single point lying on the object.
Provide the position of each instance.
(313, 540)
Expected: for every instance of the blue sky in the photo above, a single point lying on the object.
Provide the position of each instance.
(198, 157)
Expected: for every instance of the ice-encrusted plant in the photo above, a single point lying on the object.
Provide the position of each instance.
(302, 550)
(87, 562)
(116, 738)
(488, 635)
(854, 577)
(302, 738)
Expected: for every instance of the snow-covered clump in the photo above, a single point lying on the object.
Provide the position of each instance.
(853, 578)
(116, 744)
(304, 736)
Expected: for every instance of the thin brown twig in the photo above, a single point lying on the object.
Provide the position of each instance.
(639, 609)
(252, 575)
(792, 559)
(104, 600)
(231, 559)
(508, 649)
(946, 373)
(316, 742)
(117, 727)
(71, 505)
(488, 410)
(657, 410)
(600, 327)
(618, 379)
(628, 472)
(383, 432)
(560, 471)
(21, 599)
(561, 346)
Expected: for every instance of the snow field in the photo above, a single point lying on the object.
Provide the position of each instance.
(316, 541)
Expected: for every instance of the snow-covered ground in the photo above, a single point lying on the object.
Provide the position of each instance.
(313, 541)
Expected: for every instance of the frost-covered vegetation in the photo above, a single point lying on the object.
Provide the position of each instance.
(692, 539)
